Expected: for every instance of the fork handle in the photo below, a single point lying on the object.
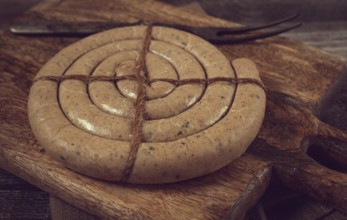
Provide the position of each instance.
(59, 28)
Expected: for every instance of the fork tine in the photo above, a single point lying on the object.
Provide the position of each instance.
(244, 38)
(225, 31)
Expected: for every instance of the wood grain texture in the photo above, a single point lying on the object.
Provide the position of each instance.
(296, 91)
(65, 211)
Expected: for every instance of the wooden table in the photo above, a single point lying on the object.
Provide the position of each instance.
(298, 94)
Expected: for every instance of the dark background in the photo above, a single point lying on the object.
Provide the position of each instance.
(325, 26)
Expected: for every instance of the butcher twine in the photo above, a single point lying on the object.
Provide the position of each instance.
(141, 76)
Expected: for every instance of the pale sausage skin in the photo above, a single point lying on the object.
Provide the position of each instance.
(189, 130)
(210, 149)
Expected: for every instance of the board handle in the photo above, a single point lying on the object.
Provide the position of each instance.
(298, 171)
(314, 176)
(311, 178)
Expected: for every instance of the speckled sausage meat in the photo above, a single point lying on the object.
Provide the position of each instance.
(145, 105)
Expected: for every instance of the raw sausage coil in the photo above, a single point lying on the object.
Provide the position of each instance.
(145, 105)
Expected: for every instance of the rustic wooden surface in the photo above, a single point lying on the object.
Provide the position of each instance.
(298, 101)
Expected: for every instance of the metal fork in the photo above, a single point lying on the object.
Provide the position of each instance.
(217, 35)
(220, 35)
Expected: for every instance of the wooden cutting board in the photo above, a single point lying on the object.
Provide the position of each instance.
(300, 80)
